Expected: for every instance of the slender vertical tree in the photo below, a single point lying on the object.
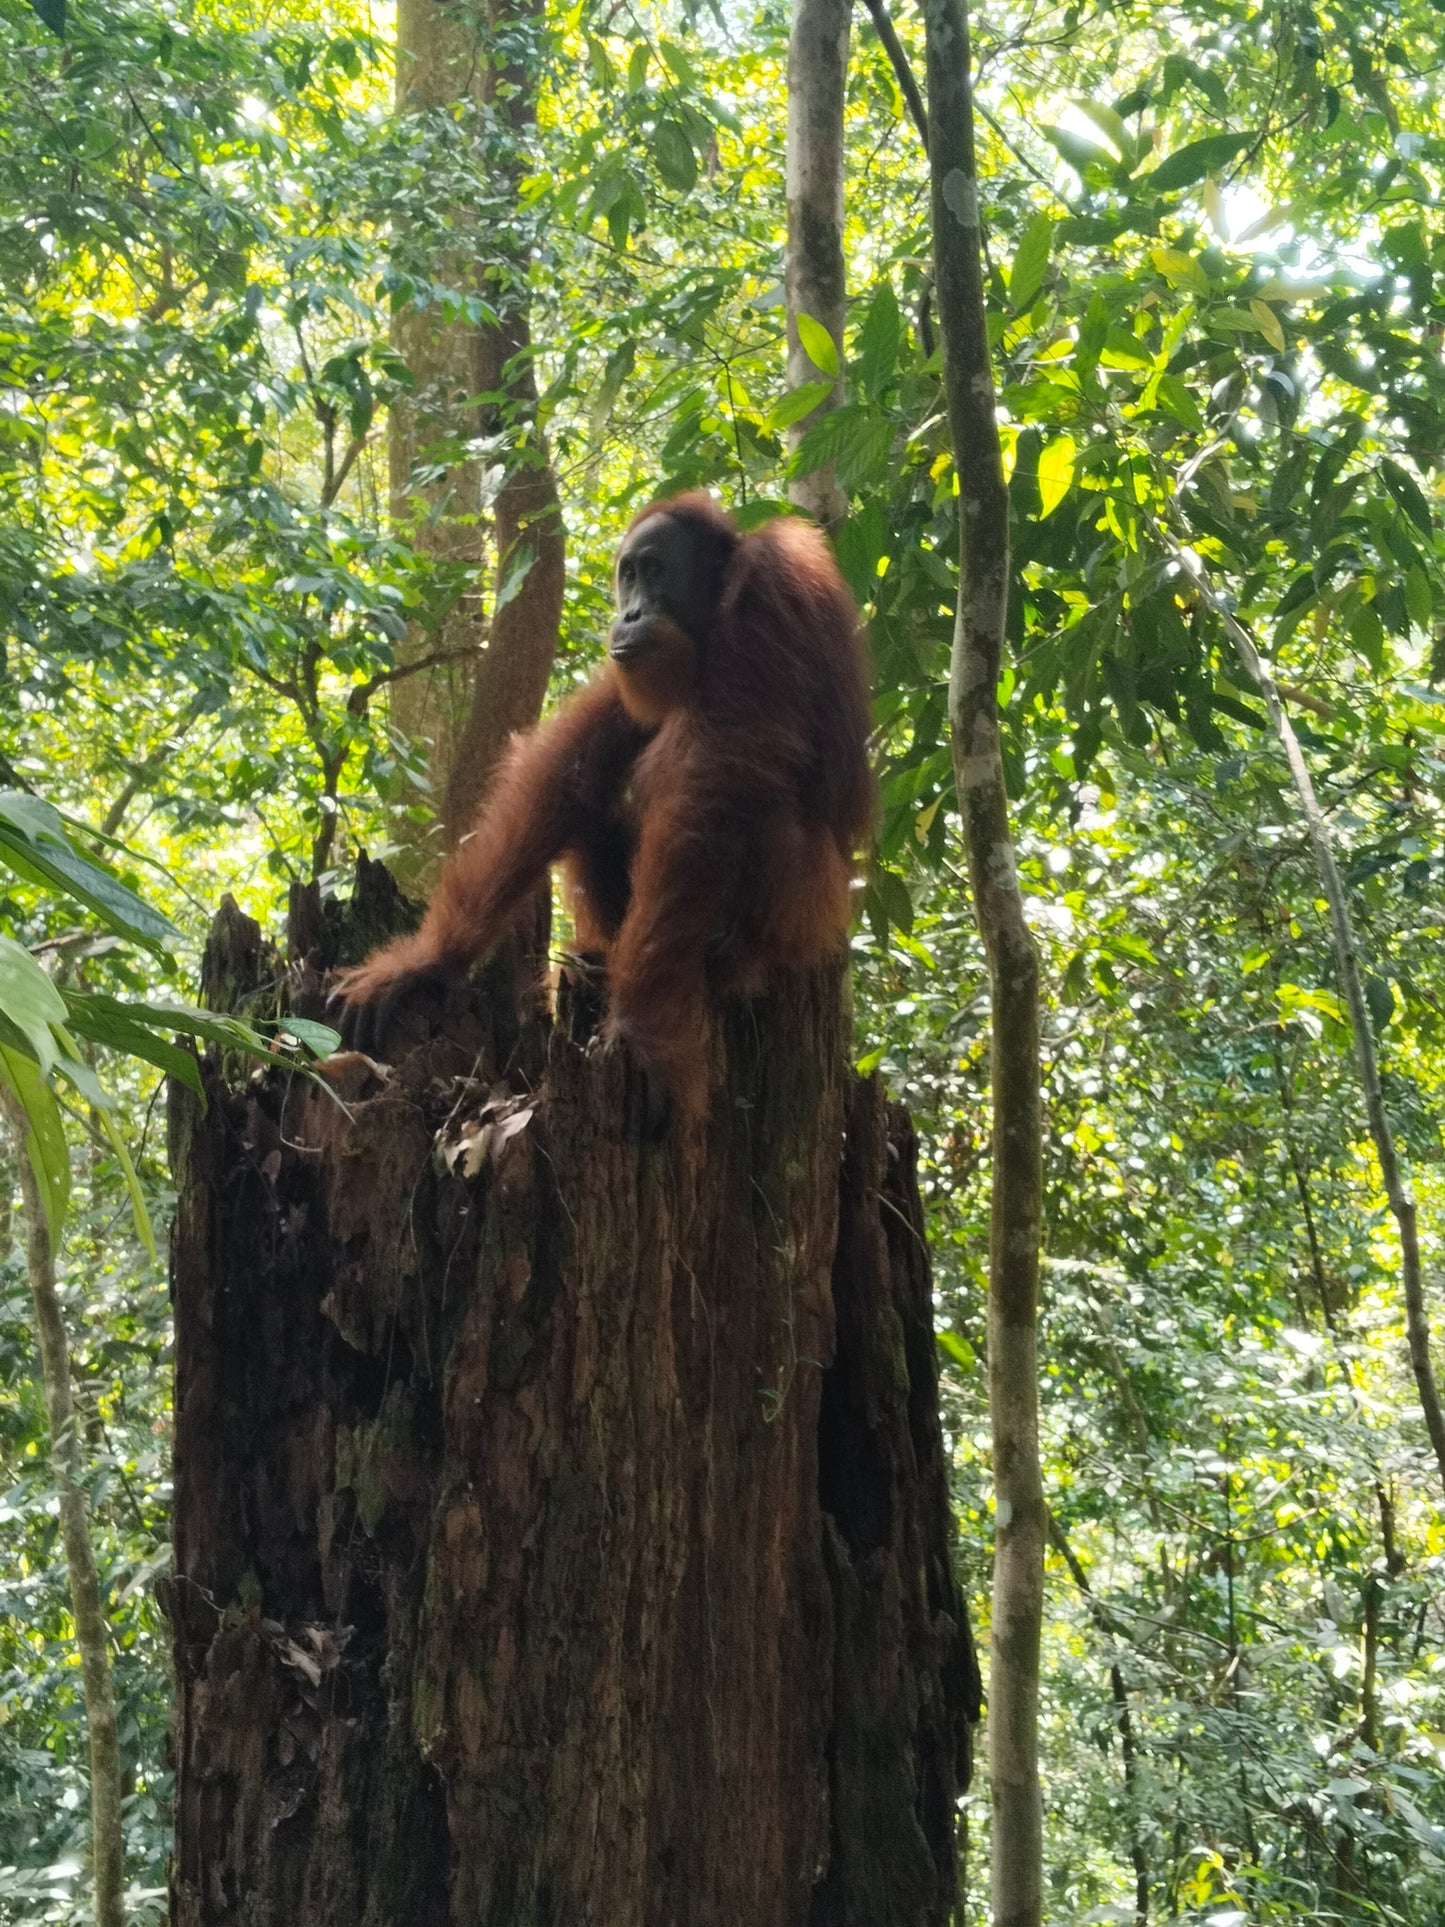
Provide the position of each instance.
(473, 382)
(86, 1606)
(816, 277)
(1013, 967)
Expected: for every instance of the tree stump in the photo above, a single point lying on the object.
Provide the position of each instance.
(561, 1521)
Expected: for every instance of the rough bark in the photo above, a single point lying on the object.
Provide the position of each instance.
(562, 1529)
(1013, 965)
(1347, 967)
(814, 273)
(474, 380)
(92, 1634)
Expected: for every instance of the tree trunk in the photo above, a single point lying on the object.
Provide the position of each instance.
(562, 1529)
(474, 382)
(815, 275)
(1013, 969)
(92, 1633)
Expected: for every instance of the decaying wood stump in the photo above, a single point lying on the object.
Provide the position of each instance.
(561, 1524)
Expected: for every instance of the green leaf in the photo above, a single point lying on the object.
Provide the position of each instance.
(1056, 474)
(132, 1185)
(1380, 997)
(957, 1349)
(52, 12)
(108, 1019)
(681, 67)
(879, 340)
(1418, 598)
(31, 1001)
(519, 567)
(1107, 120)
(1031, 260)
(33, 843)
(318, 1040)
(797, 403)
(894, 897)
(1093, 333)
(108, 1022)
(1079, 152)
(856, 441)
(818, 344)
(637, 67)
(1407, 493)
(676, 162)
(45, 1146)
(1186, 165)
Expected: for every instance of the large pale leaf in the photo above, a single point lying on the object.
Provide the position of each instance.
(34, 844)
(819, 345)
(30, 1000)
(45, 1146)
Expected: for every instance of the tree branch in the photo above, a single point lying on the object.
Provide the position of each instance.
(903, 71)
(1013, 968)
(1347, 966)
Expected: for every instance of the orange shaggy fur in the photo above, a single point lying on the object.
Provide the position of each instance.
(708, 806)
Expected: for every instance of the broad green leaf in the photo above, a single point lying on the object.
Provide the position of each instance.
(1031, 260)
(52, 12)
(676, 162)
(879, 340)
(1268, 222)
(957, 1349)
(1408, 494)
(107, 1021)
(1268, 322)
(1418, 599)
(1181, 270)
(96, 1012)
(681, 67)
(893, 897)
(1276, 289)
(31, 1001)
(797, 403)
(637, 67)
(1214, 206)
(132, 1184)
(818, 344)
(1056, 473)
(1186, 165)
(34, 844)
(318, 1040)
(45, 1146)
(519, 567)
(1109, 125)
(1079, 152)
(1235, 320)
(856, 441)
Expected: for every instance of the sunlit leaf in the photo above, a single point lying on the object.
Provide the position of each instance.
(798, 402)
(1056, 473)
(45, 1146)
(879, 340)
(818, 344)
(30, 1000)
(676, 162)
(1031, 260)
(1186, 165)
(34, 844)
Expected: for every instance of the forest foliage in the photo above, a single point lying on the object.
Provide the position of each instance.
(1215, 269)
